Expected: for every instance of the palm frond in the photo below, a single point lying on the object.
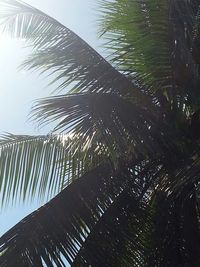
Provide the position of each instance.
(145, 210)
(120, 128)
(60, 52)
(154, 40)
(115, 240)
(121, 237)
(123, 211)
(57, 230)
(175, 239)
(37, 165)
(168, 228)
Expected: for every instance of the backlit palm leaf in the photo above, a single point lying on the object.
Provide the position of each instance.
(60, 52)
(37, 165)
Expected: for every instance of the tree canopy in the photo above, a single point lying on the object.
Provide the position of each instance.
(123, 158)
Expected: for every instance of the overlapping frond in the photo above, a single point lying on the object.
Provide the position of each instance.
(61, 53)
(131, 212)
(175, 239)
(115, 240)
(145, 210)
(112, 218)
(121, 237)
(60, 227)
(156, 40)
(121, 127)
(55, 233)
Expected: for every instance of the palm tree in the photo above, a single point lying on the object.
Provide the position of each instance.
(123, 159)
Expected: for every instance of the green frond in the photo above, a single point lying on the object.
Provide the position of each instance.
(157, 42)
(72, 63)
(142, 114)
(36, 166)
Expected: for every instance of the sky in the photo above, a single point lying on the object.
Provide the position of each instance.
(18, 89)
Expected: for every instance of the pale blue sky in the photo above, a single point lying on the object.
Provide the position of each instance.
(18, 89)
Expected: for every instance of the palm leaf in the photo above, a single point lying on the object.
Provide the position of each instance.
(37, 166)
(58, 229)
(79, 63)
(112, 210)
(175, 239)
(60, 52)
(121, 129)
(115, 240)
(62, 231)
(148, 209)
(154, 40)
(121, 237)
